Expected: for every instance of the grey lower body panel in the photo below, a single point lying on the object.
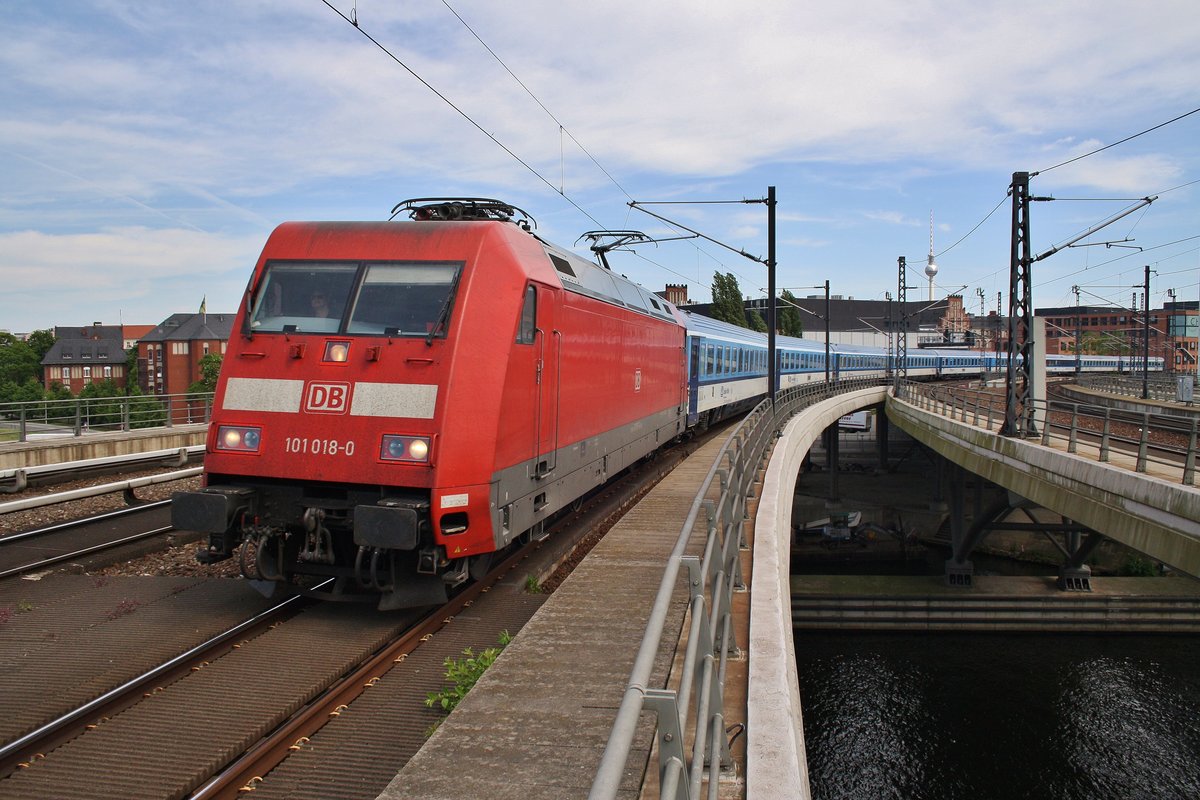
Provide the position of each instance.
(521, 497)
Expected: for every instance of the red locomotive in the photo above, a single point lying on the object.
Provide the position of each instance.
(405, 399)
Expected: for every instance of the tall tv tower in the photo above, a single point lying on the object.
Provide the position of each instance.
(930, 267)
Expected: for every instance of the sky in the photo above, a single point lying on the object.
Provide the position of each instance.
(147, 150)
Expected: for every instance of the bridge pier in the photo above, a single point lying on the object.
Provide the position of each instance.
(833, 456)
(1075, 575)
(881, 437)
(959, 570)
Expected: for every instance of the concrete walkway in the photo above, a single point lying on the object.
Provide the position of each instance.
(536, 724)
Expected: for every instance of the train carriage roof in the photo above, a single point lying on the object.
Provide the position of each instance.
(708, 327)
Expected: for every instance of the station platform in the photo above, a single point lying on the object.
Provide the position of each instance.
(536, 724)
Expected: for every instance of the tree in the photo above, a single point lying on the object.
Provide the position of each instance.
(787, 319)
(18, 361)
(727, 300)
(104, 406)
(210, 371)
(57, 391)
(146, 412)
(757, 323)
(40, 342)
(131, 370)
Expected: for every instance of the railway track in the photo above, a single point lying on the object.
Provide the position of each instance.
(272, 712)
(1163, 439)
(100, 539)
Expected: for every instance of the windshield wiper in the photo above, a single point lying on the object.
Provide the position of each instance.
(444, 313)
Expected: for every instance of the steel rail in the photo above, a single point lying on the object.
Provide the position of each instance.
(974, 407)
(14, 753)
(74, 523)
(87, 551)
(242, 774)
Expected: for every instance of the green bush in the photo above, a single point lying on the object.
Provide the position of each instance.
(464, 673)
(1138, 567)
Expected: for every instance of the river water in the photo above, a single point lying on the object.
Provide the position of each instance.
(1001, 716)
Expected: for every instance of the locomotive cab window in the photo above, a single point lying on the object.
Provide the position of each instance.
(373, 298)
(405, 299)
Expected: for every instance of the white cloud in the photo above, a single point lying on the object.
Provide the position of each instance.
(227, 117)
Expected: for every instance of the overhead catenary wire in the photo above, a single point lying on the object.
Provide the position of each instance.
(1114, 144)
(560, 190)
(357, 25)
(562, 128)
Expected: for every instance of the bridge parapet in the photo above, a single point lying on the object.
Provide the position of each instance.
(1147, 504)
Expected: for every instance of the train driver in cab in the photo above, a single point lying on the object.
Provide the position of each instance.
(320, 304)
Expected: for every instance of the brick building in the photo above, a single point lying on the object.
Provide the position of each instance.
(1110, 330)
(84, 355)
(169, 356)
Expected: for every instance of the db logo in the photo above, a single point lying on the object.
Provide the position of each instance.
(327, 398)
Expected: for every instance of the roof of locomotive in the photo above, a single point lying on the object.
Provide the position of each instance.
(576, 274)
(588, 278)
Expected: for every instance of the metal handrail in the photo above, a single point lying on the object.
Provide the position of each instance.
(78, 416)
(1158, 387)
(986, 410)
(713, 577)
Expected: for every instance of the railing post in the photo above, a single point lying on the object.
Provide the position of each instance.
(1104, 436)
(78, 419)
(1045, 425)
(170, 411)
(1143, 443)
(1073, 441)
(672, 764)
(22, 435)
(1189, 466)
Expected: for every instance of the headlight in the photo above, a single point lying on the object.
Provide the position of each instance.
(239, 439)
(337, 351)
(405, 448)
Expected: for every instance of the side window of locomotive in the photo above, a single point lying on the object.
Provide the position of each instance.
(527, 330)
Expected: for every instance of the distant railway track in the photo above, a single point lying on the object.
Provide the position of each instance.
(1160, 438)
(41, 548)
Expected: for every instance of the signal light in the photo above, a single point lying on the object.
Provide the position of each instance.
(405, 448)
(239, 439)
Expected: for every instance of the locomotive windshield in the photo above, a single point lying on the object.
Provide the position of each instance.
(390, 298)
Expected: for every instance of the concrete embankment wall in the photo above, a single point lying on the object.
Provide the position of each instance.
(60, 450)
(776, 765)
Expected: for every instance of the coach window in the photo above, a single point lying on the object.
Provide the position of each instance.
(528, 329)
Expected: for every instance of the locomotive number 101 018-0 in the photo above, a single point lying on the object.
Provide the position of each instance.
(318, 447)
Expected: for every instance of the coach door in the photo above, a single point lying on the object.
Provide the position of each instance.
(547, 376)
(693, 388)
